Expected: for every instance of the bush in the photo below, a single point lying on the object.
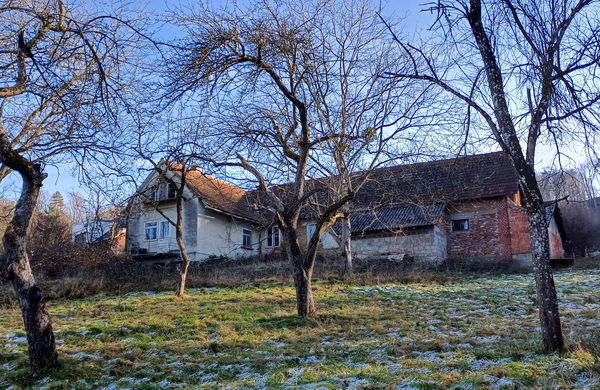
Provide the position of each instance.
(97, 270)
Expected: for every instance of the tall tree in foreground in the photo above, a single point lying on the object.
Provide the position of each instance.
(293, 94)
(529, 71)
(56, 67)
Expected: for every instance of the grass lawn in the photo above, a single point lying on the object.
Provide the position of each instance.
(479, 333)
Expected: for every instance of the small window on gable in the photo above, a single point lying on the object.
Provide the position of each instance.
(460, 225)
(246, 239)
(273, 237)
(156, 194)
(171, 191)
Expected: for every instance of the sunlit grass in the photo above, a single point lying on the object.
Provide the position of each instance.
(479, 333)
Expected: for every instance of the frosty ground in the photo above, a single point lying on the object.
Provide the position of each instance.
(481, 332)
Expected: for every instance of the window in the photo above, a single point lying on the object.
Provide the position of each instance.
(165, 229)
(460, 225)
(156, 194)
(151, 230)
(171, 191)
(246, 239)
(310, 230)
(272, 237)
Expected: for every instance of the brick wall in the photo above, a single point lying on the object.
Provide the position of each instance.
(521, 239)
(556, 247)
(519, 230)
(488, 237)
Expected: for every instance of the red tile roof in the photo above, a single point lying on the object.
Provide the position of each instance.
(219, 195)
(422, 184)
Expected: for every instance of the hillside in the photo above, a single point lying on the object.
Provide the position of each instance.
(479, 333)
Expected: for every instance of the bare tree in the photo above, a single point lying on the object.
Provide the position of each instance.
(171, 171)
(293, 95)
(58, 64)
(528, 71)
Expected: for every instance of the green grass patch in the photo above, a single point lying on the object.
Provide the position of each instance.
(476, 333)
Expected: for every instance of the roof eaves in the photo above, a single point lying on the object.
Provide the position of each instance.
(230, 213)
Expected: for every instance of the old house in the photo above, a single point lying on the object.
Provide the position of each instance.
(109, 232)
(464, 208)
(218, 219)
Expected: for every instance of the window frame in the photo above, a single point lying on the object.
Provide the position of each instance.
(272, 236)
(461, 223)
(146, 236)
(161, 231)
(171, 190)
(246, 234)
(156, 194)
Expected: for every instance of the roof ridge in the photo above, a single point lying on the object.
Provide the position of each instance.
(219, 180)
(440, 162)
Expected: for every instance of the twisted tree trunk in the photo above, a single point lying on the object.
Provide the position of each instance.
(303, 269)
(304, 296)
(185, 265)
(16, 268)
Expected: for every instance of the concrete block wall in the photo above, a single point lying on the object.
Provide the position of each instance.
(424, 244)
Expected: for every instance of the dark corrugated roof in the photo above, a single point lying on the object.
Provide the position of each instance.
(396, 218)
(464, 178)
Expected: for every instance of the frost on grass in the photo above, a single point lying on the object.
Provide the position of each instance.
(479, 333)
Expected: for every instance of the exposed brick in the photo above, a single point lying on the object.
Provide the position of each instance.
(488, 235)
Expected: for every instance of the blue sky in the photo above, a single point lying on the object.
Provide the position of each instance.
(415, 23)
(60, 177)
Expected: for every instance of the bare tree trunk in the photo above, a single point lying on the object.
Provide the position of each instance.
(303, 269)
(347, 246)
(544, 281)
(38, 325)
(506, 135)
(184, 268)
(304, 296)
(181, 242)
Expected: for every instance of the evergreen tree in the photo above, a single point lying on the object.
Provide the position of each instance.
(56, 207)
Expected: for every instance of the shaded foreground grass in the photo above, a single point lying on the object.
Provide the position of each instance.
(477, 333)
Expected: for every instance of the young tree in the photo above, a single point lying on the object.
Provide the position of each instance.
(60, 68)
(528, 71)
(49, 238)
(293, 94)
(56, 207)
(171, 171)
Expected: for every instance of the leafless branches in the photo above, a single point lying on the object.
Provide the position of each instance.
(291, 94)
(540, 61)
